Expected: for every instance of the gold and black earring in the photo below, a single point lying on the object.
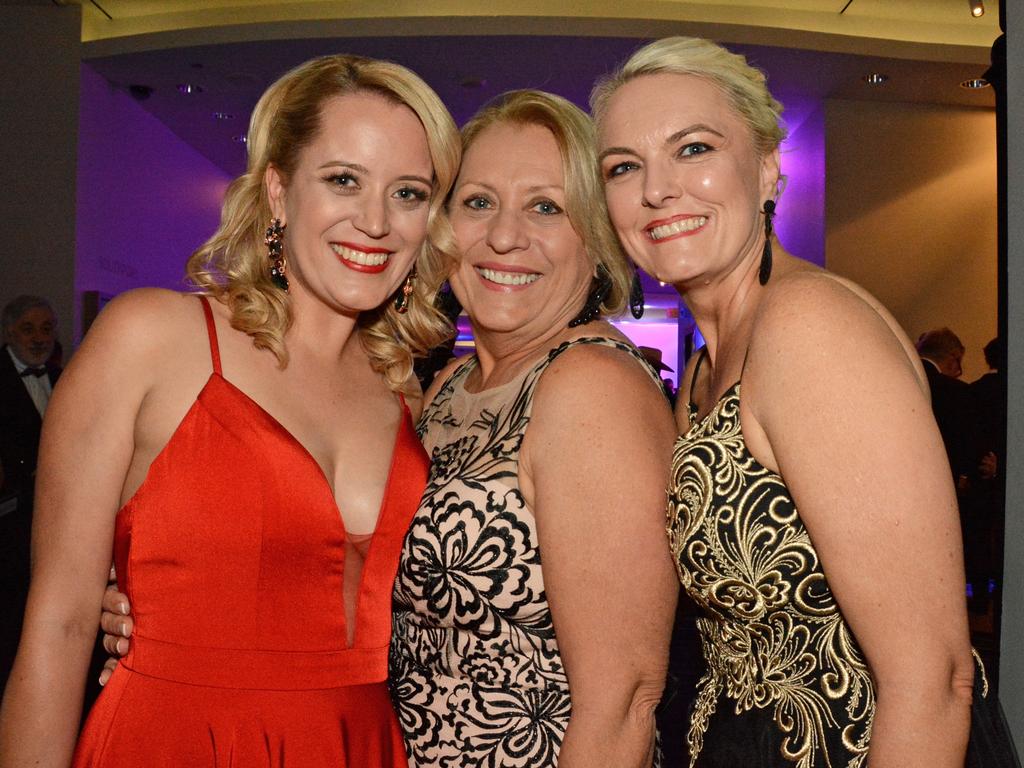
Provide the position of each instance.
(404, 296)
(275, 250)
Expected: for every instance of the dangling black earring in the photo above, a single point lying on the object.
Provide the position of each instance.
(765, 271)
(405, 294)
(636, 296)
(599, 288)
(275, 249)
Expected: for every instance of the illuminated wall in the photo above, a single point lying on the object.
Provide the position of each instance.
(146, 199)
(911, 214)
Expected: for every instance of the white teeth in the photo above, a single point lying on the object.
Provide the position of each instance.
(360, 257)
(683, 225)
(507, 278)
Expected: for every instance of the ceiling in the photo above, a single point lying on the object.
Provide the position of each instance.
(811, 49)
(945, 22)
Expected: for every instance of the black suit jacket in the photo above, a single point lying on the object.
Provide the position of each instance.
(954, 409)
(20, 425)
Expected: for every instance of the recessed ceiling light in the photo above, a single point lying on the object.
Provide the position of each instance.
(876, 78)
(239, 139)
(975, 83)
(189, 88)
(977, 8)
(223, 116)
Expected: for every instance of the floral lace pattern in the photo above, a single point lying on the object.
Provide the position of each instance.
(475, 671)
(773, 636)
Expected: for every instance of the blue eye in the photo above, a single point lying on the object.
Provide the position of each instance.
(477, 203)
(696, 148)
(546, 208)
(621, 168)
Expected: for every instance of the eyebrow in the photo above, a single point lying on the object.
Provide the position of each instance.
(364, 169)
(695, 128)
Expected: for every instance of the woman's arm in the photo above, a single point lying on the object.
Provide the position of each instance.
(85, 450)
(847, 421)
(595, 460)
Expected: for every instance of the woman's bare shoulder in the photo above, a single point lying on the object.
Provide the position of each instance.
(815, 311)
(826, 337)
(145, 326)
(592, 377)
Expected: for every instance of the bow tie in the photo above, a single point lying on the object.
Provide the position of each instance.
(34, 371)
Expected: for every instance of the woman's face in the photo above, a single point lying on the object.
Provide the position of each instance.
(683, 180)
(523, 268)
(356, 206)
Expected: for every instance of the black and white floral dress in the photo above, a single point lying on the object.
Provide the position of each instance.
(475, 671)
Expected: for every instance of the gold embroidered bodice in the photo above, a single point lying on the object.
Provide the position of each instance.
(775, 641)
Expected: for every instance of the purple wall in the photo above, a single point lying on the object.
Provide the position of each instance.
(801, 220)
(146, 199)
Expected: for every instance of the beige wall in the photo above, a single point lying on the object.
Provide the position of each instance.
(911, 214)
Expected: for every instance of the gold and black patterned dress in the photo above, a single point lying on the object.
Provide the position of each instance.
(787, 684)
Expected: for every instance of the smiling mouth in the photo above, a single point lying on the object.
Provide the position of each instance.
(676, 228)
(376, 258)
(507, 278)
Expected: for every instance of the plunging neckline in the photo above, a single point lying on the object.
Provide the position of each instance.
(304, 451)
(274, 423)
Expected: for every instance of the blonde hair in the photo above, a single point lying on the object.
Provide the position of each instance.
(233, 265)
(573, 131)
(745, 86)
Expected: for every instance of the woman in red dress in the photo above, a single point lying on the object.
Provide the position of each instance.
(259, 450)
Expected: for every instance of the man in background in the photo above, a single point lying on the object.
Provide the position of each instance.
(26, 382)
(942, 354)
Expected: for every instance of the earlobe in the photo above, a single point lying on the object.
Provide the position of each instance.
(275, 191)
(771, 176)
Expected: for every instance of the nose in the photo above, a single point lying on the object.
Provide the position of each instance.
(506, 232)
(660, 186)
(373, 219)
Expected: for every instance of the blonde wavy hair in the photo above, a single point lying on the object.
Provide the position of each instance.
(233, 265)
(573, 131)
(745, 86)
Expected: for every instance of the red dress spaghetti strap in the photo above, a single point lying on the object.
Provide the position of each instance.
(233, 555)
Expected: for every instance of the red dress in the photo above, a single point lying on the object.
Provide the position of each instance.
(233, 554)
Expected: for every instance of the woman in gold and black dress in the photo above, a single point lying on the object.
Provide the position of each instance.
(837, 632)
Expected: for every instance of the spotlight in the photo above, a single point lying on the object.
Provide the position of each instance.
(875, 78)
(977, 8)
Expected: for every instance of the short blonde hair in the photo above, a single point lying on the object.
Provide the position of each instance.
(234, 265)
(573, 131)
(745, 86)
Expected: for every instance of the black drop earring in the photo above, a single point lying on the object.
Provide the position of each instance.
(636, 296)
(765, 272)
(599, 288)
